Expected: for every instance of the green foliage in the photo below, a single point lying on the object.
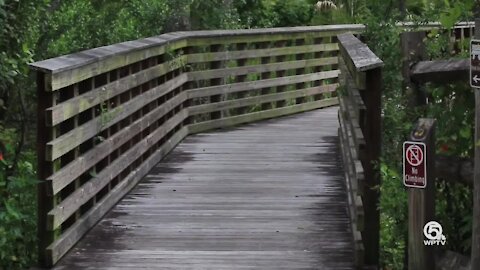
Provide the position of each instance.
(293, 12)
(452, 106)
(17, 208)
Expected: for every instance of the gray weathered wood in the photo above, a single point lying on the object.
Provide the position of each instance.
(242, 54)
(68, 141)
(421, 202)
(255, 85)
(361, 56)
(74, 201)
(255, 116)
(441, 71)
(236, 71)
(226, 200)
(68, 239)
(235, 103)
(74, 106)
(81, 164)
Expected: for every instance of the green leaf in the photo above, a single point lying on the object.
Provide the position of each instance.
(465, 132)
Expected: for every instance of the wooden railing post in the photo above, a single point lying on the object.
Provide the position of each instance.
(44, 204)
(372, 174)
(360, 122)
(421, 201)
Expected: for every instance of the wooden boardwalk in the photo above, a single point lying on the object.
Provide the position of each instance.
(268, 195)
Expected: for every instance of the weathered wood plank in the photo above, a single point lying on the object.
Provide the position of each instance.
(68, 239)
(221, 217)
(74, 106)
(235, 103)
(355, 132)
(77, 167)
(70, 140)
(200, 38)
(255, 85)
(236, 71)
(352, 163)
(251, 117)
(242, 54)
(441, 71)
(67, 207)
(355, 205)
(361, 56)
(66, 70)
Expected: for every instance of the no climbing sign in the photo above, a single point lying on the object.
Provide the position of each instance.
(414, 164)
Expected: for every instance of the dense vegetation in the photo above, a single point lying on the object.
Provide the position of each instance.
(33, 30)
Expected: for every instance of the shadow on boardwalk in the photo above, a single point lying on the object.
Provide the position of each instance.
(268, 195)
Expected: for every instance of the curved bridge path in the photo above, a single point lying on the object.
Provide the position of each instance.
(268, 195)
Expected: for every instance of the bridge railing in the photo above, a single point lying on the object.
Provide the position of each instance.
(360, 141)
(106, 116)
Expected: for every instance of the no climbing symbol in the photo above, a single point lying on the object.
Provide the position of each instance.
(414, 155)
(414, 164)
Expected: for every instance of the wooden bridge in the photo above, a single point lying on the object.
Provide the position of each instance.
(136, 173)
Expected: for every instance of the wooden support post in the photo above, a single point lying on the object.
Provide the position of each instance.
(475, 256)
(44, 202)
(421, 201)
(413, 50)
(371, 232)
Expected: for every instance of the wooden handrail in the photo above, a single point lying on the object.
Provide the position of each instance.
(106, 116)
(359, 134)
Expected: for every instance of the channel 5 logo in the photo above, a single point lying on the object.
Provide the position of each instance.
(433, 231)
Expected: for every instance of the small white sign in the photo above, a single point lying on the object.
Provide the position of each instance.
(433, 231)
(475, 63)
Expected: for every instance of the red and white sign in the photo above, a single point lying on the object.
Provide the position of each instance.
(414, 164)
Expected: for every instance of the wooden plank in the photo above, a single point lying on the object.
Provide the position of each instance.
(206, 215)
(44, 169)
(68, 239)
(354, 165)
(270, 52)
(199, 38)
(358, 77)
(373, 138)
(75, 61)
(68, 206)
(77, 167)
(354, 212)
(362, 57)
(251, 117)
(441, 71)
(80, 66)
(74, 106)
(236, 71)
(235, 103)
(355, 132)
(255, 85)
(70, 140)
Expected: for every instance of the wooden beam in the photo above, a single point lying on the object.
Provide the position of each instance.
(440, 71)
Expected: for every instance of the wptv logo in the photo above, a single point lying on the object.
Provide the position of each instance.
(433, 231)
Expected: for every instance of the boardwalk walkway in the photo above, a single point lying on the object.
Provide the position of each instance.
(268, 195)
